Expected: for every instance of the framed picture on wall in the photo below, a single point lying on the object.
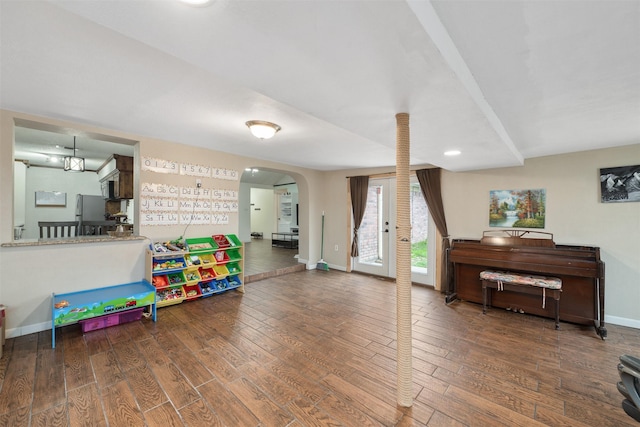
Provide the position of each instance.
(620, 184)
(517, 208)
(51, 199)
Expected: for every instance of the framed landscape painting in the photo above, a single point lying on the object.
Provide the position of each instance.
(51, 198)
(517, 208)
(620, 184)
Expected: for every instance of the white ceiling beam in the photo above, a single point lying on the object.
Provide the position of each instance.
(431, 23)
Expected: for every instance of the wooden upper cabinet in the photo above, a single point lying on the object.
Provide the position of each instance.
(125, 185)
(123, 163)
(118, 169)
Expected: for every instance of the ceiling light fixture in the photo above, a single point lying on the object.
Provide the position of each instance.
(452, 153)
(197, 2)
(73, 163)
(261, 129)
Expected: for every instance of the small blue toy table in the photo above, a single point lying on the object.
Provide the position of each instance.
(77, 306)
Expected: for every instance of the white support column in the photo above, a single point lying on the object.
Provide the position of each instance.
(403, 263)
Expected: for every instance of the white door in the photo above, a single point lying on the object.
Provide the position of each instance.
(377, 233)
(376, 230)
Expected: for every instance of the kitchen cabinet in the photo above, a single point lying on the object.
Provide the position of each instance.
(116, 177)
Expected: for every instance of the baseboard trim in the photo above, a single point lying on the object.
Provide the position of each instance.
(28, 329)
(622, 321)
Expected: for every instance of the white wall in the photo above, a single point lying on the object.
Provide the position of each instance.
(262, 211)
(244, 212)
(29, 275)
(49, 179)
(574, 214)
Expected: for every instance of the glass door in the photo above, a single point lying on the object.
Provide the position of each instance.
(377, 236)
(422, 237)
(376, 232)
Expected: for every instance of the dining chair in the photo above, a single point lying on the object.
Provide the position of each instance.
(56, 229)
(97, 228)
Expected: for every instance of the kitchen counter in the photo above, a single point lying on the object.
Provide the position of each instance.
(69, 241)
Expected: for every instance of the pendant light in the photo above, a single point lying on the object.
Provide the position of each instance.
(73, 163)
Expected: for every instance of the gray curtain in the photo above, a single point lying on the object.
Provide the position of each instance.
(430, 185)
(359, 186)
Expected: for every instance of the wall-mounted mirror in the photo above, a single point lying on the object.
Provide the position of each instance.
(39, 152)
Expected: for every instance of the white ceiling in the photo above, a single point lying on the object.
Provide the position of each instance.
(502, 81)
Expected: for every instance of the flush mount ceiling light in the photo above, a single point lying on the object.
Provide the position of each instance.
(452, 153)
(261, 129)
(73, 163)
(197, 2)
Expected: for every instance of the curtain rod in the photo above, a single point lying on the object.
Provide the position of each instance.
(388, 174)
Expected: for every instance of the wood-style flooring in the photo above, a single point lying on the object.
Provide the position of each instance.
(316, 348)
(261, 260)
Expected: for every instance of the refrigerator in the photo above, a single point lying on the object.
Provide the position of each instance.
(89, 208)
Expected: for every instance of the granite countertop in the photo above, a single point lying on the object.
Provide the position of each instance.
(69, 241)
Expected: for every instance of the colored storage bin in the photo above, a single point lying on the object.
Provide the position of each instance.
(201, 245)
(192, 260)
(165, 265)
(234, 254)
(160, 281)
(207, 288)
(169, 296)
(233, 240)
(221, 240)
(192, 275)
(207, 260)
(220, 271)
(221, 257)
(176, 278)
(114, 319)
(234, 281)
(207, 273)
(233, 267)
(221, 284)
(192, 291)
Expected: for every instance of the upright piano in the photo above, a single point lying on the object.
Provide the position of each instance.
(532, 252)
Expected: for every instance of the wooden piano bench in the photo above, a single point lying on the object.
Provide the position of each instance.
(527, 284)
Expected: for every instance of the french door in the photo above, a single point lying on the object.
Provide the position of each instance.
(377, 233)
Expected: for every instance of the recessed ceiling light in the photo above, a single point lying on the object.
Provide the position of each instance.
(452, 153)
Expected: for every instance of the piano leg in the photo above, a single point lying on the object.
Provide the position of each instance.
(448, 299)
(599, 322)
(486, 293)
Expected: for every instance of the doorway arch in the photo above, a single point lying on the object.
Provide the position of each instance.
(268, 178)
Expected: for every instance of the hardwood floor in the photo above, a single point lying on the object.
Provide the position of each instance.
(316, 348)
(261, 260)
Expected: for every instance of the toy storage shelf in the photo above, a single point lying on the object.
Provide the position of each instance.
(210, 265)
(111, 301)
